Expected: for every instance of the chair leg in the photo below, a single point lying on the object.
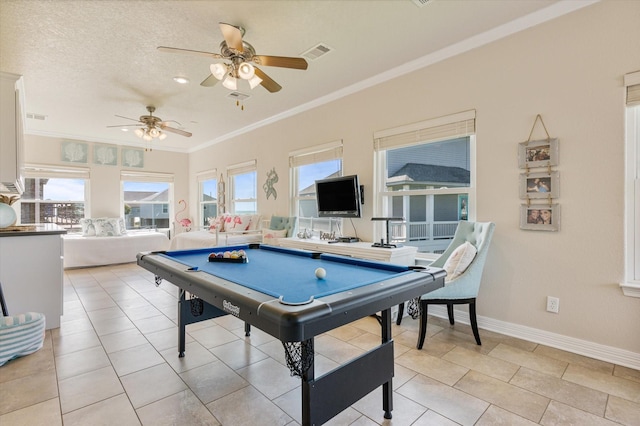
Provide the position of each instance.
(474, 321)
(400, 313)
(450, 313)
(423, 323)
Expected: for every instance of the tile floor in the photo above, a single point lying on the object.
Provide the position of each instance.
(114, 361)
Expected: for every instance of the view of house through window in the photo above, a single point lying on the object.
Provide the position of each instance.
(428, 185)
(208, 190)
(304, 198)
(53, 200)
(146, 204)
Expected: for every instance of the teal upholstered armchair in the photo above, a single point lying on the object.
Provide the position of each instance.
(464, 288)
(283, 222)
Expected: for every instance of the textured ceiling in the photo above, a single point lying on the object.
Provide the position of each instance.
(84, 62)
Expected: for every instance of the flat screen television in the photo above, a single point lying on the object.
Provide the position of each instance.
(339, 197)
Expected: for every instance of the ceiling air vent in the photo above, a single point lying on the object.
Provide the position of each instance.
(36, 116)
(317, 51)
(420, 3)
(238, 96)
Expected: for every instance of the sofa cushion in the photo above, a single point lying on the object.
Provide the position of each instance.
(459, 260)
(21, 335)
(283, 222)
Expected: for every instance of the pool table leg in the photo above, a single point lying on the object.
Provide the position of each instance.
(387, 388)
(247, 329)
(182, 324)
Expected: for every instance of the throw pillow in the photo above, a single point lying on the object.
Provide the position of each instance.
(237, 223)
(459, 260)
(269, 236)
(217, 223)
(122, 228)
(88, 228)
(106, 227)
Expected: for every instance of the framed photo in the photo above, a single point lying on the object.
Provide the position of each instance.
(539, 185)
(540, 217)
(541, 153)
(106, 155)
(74, 152)
(132, 157)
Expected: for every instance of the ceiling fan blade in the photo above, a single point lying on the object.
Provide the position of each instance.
(281, 61)
(166, 128)
(267, 82)
(209, 81)
(232, 35)
(188, 51)
(127, 118)
(127, 125)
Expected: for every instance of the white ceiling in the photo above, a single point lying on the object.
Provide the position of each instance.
(84, 62)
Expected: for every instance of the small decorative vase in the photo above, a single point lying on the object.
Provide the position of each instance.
(8, 216)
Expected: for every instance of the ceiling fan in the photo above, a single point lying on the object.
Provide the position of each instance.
(150, 127)
(242, 57)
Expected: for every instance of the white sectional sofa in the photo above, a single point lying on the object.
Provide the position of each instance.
(105, 241)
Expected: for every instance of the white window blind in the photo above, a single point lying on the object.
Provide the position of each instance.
(133, 176)
(440, 128)
(632, 82)
(317, 154)
(36, 171)
(206, 175)
(240, 168)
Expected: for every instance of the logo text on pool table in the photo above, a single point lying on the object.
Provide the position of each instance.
(231, 308)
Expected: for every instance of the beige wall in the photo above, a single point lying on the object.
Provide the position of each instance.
(568, 70)
(104, 184)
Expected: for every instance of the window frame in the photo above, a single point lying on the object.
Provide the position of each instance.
(235, 171)
(33, 171)
(149, 177)
(305, 157)
(631, 284)
(202, 178)
(429, 131)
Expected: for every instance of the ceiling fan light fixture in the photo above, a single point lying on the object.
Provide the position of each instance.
(230, 83)
(139, 132)
(246, 71)
(146, 136)
(154, 133)
(218, 70)
(162, 136)
(254, 81)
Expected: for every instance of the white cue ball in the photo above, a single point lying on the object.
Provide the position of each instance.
(321, 273)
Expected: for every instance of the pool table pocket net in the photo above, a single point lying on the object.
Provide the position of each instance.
(299, 356)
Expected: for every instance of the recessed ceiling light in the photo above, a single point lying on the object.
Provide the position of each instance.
(181, 80)
(125, 130)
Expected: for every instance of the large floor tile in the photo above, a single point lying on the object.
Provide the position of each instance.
(182, 408)
(213, 381)
(430, 366)
(561, 414)
(44, 413)
(80, 362)
(255, 407)
(623, 411)
(134, 359)
(238, 354)
(624, 388)
(529, 359)
(525, 403)
(152, 384)
(269, 377)
(449, 402)
(88, 388)
(116, 410)
(28, 390)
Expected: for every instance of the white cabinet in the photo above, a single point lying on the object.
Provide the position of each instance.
(11, 134)
(31, 272)
(404, 255)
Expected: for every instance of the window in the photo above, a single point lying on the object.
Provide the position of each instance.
(425, 174)
(243, 180)
(55, 196)
(631, 286)
(306, 167)
(208, 196)
(147, 199)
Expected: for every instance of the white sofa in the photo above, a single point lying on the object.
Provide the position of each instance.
(83, 251)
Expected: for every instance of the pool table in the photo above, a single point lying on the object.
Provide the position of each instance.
(278, 291)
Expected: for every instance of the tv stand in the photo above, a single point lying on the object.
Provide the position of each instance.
(404, 255)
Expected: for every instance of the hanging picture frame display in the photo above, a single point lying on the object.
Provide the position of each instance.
(540, 153)
(540, 217)
(539, 185)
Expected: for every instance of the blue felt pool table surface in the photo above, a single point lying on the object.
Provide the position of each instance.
(288, 273)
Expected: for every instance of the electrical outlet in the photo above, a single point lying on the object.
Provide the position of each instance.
(553, 304)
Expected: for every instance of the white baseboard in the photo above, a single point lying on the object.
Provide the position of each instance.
(570, 344)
